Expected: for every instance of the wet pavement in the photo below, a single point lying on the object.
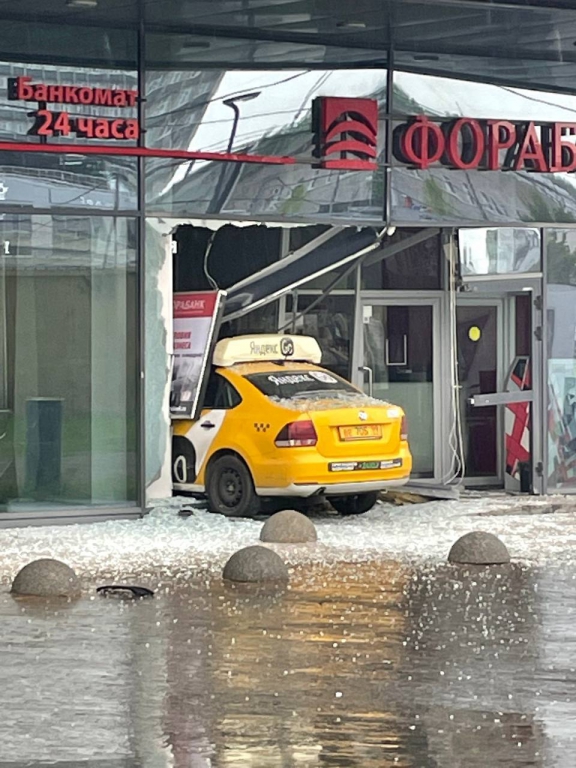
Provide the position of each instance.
(371, 664)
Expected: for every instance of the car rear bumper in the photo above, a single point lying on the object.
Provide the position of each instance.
(332, 489)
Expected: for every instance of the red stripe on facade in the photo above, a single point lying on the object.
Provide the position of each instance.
(176, 154)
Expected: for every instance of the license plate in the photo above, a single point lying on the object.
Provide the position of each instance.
(354, 466)
(361, 432)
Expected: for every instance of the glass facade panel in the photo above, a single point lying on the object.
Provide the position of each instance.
(561, 343)
(266, 113)
(164, 50)
(476, 330)
(417, 267)
(64, 64)
(506, 43)
(51, 43)
(330, 319)
(68, 325)
(68, 339)
(80, 182)
(261, 320)
(398, 355)
(499, 251)
(56, 116)
(441, 194)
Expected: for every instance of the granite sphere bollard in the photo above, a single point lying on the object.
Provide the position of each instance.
(255, 564)
(46, 578)
(479, 548)
(288, 527)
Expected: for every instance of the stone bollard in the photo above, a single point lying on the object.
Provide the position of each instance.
(288, 527)
(255, 564)
(46, 578)
(479, 548)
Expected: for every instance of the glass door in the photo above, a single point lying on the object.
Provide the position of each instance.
(480, 344)
(398, 363)
(499, 375)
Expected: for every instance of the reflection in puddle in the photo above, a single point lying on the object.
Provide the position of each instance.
(369, 665)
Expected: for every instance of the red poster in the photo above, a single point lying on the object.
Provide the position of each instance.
(195, 321)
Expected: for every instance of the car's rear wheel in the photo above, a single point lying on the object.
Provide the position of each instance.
(355, 504)
(230, 488)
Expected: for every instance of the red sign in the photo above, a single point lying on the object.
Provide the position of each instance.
(194, 327)
(23, 89)
(49, 123)
(490, 145)
(345, 132)
(199, 304)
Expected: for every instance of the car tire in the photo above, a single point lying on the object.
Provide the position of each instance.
(354, 504)
(183, 461)
(230, 488)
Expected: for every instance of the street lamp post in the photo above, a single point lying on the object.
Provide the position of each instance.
(222, 190)
(232, 103)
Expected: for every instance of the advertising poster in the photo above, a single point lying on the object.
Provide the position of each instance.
(196, 318)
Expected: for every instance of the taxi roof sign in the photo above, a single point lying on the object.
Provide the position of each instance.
(266, 347)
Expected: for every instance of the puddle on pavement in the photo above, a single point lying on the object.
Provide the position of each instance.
(371, 665)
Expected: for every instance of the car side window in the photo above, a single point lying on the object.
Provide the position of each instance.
(230, 395)
(220, 393)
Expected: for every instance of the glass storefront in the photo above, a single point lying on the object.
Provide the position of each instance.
(398, 363)
(68, 330)
(561, 344)
(111, 108)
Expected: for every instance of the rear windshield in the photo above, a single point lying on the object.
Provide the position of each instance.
(291, 385)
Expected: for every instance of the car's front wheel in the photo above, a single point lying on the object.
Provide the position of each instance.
(230, 488)
(354, 504)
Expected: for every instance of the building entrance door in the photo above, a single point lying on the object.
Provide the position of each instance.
(499, 365)
(480, 345)
(397, 351)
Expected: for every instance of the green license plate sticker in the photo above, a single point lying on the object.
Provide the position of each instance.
(353, 466)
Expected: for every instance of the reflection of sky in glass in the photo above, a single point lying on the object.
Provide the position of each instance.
(285, 99)
(446, 96)
(473, 250)
(513, 250)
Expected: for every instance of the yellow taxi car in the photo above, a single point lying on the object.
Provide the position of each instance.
(276, 424)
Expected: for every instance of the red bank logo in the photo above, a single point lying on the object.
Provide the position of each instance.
(345, 133)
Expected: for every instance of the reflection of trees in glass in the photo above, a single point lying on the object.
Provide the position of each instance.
(295, 201)
(435, 197)
(560, 257)
(540, 209)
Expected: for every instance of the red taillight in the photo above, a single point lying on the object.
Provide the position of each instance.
(404, 429)
(297, 434)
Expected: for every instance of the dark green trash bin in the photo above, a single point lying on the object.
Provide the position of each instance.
(44, 446)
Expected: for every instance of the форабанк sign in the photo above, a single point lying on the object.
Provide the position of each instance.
(490, 145)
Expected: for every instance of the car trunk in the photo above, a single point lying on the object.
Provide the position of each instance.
(356, 432)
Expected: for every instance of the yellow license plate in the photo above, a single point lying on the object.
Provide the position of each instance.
(361, 432)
